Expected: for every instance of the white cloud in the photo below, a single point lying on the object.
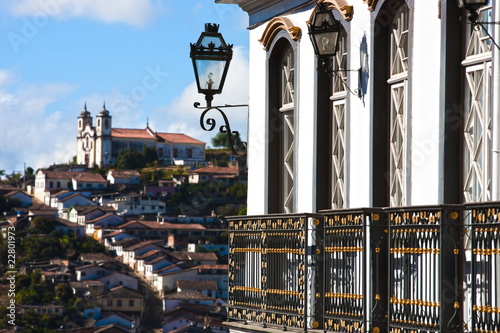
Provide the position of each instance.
(181, 116)
(132, 12)
(31, 133)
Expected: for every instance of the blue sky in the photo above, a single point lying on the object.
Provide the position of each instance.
(133, 55)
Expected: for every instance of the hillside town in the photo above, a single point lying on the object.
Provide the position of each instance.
(98, 248)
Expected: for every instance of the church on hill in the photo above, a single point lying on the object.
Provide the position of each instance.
(99, 145)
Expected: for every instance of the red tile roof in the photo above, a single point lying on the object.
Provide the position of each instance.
(78, 176)
(187, 295)
(179, 138)
(197, 285)
(132, 133)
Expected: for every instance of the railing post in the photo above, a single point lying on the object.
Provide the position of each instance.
(450, 269)
(379, 262)
(319, 306)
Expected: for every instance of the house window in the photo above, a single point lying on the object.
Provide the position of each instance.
(338, 126)
(477, 111)
(398, 109)
(391, 114)
(281, 131)
(119, 303)
(51, 184)
(110, 302)
(176, 152)
(131, 303)
(58, 184)
(288, 135)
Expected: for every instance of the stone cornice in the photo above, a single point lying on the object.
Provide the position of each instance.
(274, 26)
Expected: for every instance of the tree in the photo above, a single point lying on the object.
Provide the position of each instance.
(221, 140)
(44, 225)
(149, 155)
(129, 159)
(29, 172)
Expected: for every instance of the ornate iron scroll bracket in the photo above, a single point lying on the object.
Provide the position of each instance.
(238, 147)
(326, 67)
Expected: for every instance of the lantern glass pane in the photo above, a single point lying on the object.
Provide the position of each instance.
(211, 41)
(210, 73)
(326, 42)
(323, 20)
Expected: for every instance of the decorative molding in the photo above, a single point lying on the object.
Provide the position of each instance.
(274, 26)
(341, 6)
(371, 4)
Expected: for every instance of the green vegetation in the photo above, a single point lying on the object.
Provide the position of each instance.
(221, 140)
(6, 204)
(131, 159)
(201, 199)
(40, 240)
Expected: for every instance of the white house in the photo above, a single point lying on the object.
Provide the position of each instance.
(172, 300)
(130, 253)
(206, 287)
(81, 214)
(166, 279)
(146, 257)
(90, 272)
(67, 227)
(116, 279)
(105, 221)
(153, 265)
(46, 180)
(137, 205)
(128, 177)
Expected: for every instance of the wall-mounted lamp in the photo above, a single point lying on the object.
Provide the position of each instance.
(211, 57)
(324, 31)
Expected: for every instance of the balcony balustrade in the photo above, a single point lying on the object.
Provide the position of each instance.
(404, 269)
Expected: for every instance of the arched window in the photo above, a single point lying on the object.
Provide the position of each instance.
(281, 165)
(477, 111)
(339, 125)
(398, 91)
(391, 111)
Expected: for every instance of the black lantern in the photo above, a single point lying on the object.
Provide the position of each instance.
(324, 31)
(211, 57)
(472, 6)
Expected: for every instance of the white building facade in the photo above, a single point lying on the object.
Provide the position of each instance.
(406, 116)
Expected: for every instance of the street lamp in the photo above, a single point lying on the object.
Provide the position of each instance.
(211, 57)
(324, 32)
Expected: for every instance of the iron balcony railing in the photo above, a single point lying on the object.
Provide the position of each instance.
(404, 269)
